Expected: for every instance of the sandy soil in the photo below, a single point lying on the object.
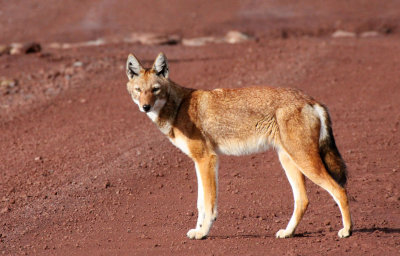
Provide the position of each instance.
(83, 172)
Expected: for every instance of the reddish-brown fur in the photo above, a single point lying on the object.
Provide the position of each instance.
(204, 124)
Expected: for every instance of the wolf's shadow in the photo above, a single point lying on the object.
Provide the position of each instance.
(311, 234)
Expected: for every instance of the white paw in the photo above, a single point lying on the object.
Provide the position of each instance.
(283, 234)
(196, 234)
(344, 233)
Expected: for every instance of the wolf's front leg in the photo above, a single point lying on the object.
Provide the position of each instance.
(207, 182)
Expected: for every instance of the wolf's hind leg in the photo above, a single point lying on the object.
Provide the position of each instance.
(312, 167)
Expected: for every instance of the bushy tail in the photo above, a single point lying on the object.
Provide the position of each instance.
(328, 151)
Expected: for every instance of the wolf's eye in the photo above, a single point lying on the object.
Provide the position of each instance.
(137, 89)
(156, 89)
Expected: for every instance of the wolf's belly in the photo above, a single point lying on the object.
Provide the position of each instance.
(237, 147)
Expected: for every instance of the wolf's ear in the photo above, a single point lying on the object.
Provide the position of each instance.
(160, 65)
(133, 66)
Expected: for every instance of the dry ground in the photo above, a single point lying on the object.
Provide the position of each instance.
(83, 172)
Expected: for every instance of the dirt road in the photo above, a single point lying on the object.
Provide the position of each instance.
(85, 173)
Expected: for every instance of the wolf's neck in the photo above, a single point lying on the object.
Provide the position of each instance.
(166, 116)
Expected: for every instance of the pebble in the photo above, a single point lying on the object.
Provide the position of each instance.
(8, 86)
(15, 48)
(234, 37)
(4, 49)
(107, 184)
(26, 48)
(343, 34)
(78, 64)
(32, 47)
(369, 34)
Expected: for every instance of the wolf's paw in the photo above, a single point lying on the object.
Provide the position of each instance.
(343, 233)
(196, 234)
(283, 234)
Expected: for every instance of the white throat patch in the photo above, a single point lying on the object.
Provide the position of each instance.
(155, 110)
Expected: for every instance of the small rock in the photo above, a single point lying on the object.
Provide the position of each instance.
(38, 158)
(343, 34)
(32, 48)
(107, 184)
(4, 49)
(369, 34)
(78, 64)
(234, 37)
(8, 86)
(18, 48)
(55, 45)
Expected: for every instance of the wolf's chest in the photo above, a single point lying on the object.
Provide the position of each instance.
(181, 143)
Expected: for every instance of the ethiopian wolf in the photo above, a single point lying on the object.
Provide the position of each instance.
(205, 123)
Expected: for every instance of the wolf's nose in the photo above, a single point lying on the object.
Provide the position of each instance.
(146, 107)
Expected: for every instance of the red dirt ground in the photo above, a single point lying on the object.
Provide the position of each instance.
(83, 172)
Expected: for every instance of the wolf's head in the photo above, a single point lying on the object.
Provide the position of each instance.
(148, 87)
